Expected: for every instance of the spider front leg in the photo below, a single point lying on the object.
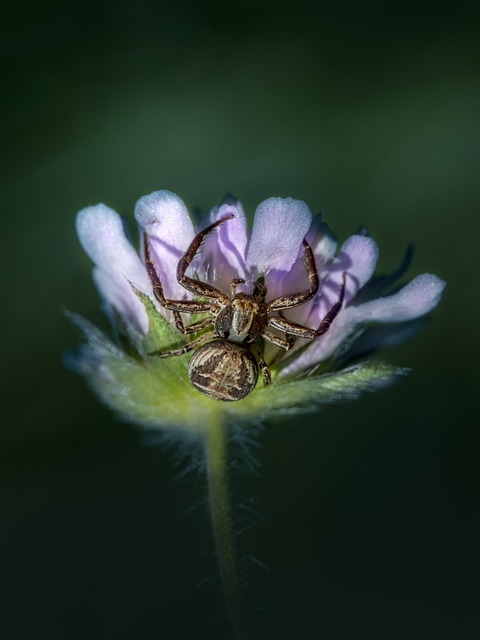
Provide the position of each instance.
(267, 376)
(284, 343)
(295, 299)
(195, 286)
(191, 328)
(298, 330)
(327, 320)
(186, 306)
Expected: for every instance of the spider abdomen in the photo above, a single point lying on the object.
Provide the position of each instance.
(223, 370)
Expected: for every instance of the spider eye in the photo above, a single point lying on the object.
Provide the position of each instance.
(226, 334)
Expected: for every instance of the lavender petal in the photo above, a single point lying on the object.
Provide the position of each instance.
(279, 228)
(414, 300)
(165, 219)
(101, 234)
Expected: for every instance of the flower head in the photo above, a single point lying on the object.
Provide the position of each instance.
(148, 305)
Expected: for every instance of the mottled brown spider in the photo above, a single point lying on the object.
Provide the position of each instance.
(225, 363)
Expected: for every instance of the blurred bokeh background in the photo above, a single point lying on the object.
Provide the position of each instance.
(369, 519)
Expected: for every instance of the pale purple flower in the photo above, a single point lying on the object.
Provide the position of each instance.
(157, 392)
(273, 248)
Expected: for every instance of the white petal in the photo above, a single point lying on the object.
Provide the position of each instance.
(322, 241)
(101, 234)
(122, 298)
(165, 219)
(358, 257)
(164, 216)
(414, 300)
(279, 228)
(222, 256)
(232, 237)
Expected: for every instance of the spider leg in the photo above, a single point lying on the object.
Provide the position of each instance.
(298, 330)
(233, 286)
(278, 341)
(267, 376)
(329, 317)
(195, 286)
(186, 347)
(294, 299)
(192, 328)
(186, 306)
(291, 328)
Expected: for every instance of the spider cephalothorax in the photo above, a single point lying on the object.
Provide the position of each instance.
(225, 364)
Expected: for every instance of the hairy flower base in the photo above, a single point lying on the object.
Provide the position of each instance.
(157, 393)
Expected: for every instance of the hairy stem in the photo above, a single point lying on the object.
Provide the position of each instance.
(223, 530)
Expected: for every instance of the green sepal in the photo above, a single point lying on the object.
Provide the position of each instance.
(162, 335)
(302, 395)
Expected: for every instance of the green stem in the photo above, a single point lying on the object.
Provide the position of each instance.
(223, 530)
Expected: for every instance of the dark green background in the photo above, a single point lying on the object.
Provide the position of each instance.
(369, 519)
